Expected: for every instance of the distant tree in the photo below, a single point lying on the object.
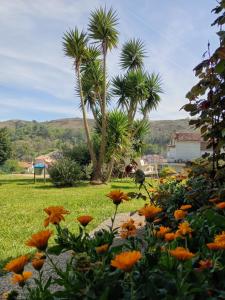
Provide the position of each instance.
(5, 145)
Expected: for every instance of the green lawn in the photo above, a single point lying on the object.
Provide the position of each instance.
(22, 204)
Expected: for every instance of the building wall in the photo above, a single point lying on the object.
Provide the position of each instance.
(171, 154)
(188, 150)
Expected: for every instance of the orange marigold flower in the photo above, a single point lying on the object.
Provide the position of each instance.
(128, 229)
(55, 214)
(149, 211)
(21, 278)
(17, 265)
(185, 207)
(205, 264)
(84, 220)
(182, 253)
(102, 249)
(184, 228)
(213, 246)
(220, 205)
(213, 200)
(39, 240)
(38, 261)
(220, 238)
(170, 236)
(117, 196)
(162, 231)
(152, 190)
(179, 214)
(126, 260)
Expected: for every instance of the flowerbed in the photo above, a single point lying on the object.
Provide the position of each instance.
(180, 255)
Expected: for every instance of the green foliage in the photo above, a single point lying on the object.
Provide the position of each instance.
(5, 145)
(11, 166)
(167, 171)
(65, 172)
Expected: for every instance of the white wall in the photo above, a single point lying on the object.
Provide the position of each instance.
(187, 150)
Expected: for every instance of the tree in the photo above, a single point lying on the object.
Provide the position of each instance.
(207, 97)
(5, 145)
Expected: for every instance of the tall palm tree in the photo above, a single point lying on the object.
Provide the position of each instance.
(102, 29)
(75, 47)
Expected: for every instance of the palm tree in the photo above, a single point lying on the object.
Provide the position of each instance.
(75, 47)
(102, 29)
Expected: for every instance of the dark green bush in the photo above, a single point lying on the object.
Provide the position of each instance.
(65, 172)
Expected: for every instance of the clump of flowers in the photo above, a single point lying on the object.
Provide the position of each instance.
(184, 228)
(180, 214)
(128, 229)
(162, 231)
(218, 243)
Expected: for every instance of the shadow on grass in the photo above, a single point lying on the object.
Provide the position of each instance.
(21, 181)
(78, 184)
(125, 187)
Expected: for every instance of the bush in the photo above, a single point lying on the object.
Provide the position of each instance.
(167, 171)
(11, 166)
(65, 172)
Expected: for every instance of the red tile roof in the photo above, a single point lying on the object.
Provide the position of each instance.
(187, 136)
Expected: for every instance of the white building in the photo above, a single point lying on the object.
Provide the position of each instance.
(186, 146)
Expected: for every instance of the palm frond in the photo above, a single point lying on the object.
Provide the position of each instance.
(132, 55)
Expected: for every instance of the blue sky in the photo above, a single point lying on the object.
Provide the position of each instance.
(37, 80)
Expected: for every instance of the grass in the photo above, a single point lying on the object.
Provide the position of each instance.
(22, 203)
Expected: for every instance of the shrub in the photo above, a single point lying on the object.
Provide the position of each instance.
(167, 171)
(11, 166)
(65, 172)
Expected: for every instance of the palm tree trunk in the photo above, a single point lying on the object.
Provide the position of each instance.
(110, 169)
(104, 121)
(86, 127)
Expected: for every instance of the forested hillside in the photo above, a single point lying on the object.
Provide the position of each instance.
(32, 138)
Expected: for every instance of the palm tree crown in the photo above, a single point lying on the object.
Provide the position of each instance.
(102, 27)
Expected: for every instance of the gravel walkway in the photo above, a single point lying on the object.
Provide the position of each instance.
(5, 280)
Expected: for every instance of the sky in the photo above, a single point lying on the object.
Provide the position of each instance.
(37, 81)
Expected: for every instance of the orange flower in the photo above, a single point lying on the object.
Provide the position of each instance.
(162, 231)
(102, 249)
(220, 205)
(213, 200)
(149, 211)
(39, 240)
(126, 260)
(84, 220)
(213, 246)
(205, 264)
(17, 265)
(184, 228)
(21, 278)
(220, 238)
(55, 215)
(152, 190)
(185, 207)
(182, 253)
(179, 214)
(128, 229)
(38, 261)
(117, 196)
(170, 236)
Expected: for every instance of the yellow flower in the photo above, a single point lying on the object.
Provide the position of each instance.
(126, 260)
(179, 214)
(181, 253)
(162, 231)
(118, 196)
(55, 215)
(220, 238)
(185, 207)
(149, 211)
(220, 205)
(39, 240)
(184, 228)
(102, 249)
(17, 265)
(84, 220)
(21, 278)
(38, 261)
